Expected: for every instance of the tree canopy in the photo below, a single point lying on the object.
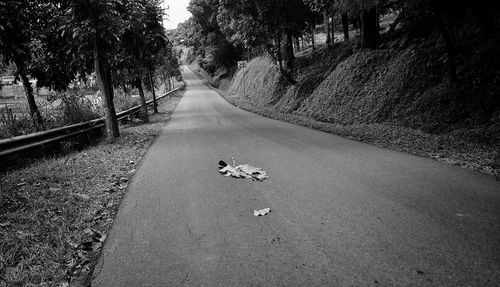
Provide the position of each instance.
(58, 41)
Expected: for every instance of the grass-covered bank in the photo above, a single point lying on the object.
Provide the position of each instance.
(395, 98)
(57, 211)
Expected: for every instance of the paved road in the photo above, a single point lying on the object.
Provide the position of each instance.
(343, 213)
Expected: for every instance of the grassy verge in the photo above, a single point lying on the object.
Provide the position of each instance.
(457, 148)
(57, 211)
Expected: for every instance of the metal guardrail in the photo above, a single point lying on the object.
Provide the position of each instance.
(21, 143)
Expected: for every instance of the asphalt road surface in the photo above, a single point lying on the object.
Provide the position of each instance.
(343, 213)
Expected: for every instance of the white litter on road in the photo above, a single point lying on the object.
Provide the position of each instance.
(261, 212)
(242, 171)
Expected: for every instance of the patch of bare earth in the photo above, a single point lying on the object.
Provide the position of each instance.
(57, 212)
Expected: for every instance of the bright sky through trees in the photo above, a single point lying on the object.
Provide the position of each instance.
(177, 12)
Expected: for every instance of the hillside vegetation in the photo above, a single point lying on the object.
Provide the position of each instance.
(415, 75)
(397, 96)
(405, 87)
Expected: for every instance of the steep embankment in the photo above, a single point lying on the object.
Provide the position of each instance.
(394, 97)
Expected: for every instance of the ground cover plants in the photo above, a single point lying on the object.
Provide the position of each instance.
(58, 210)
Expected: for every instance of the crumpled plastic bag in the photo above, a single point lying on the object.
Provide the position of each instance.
(261, 212)
(242, 171)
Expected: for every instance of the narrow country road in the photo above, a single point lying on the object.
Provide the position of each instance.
(343, 213)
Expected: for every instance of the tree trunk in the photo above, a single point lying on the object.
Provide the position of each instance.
(126, 90)
(345, 26)
(103, 75)
(297, 44)
(144, 107)
(155, 104)
(36, 117)
(278, 54)
(327, 27)
(370, 35)
(450, 49)
(1, 195)
(333, 28)
(289, 56)
(313, 40)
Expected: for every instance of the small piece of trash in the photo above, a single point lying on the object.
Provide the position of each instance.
(242, 171)
(261, 212)
(131, 162)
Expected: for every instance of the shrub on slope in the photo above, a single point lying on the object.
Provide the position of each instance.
(258, 83)
(311, 70)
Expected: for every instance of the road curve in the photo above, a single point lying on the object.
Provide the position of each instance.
(343, 213)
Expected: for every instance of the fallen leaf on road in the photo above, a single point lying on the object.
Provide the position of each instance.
(261, 212)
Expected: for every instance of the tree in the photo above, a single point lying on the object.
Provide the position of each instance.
(325, 7)
(345, 26)
(53, 63)
(96, 27)
(369, 12)
(15, 39)
(133, 49)
(157, 43)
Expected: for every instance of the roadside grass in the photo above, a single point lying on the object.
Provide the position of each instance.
(68, 108)
(57, 211)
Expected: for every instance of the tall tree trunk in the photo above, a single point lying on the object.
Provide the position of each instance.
(333, 28)
(370, 35)
(345, 26)
(167, 84)
(36, 117)
(152, 83)
(327, 27)
(144, 107)
(278, 53)
(313, 40)
(450, 49)
(289, 56)
(126, 90)
(297, 44)
(103, 75)
(1, 195)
